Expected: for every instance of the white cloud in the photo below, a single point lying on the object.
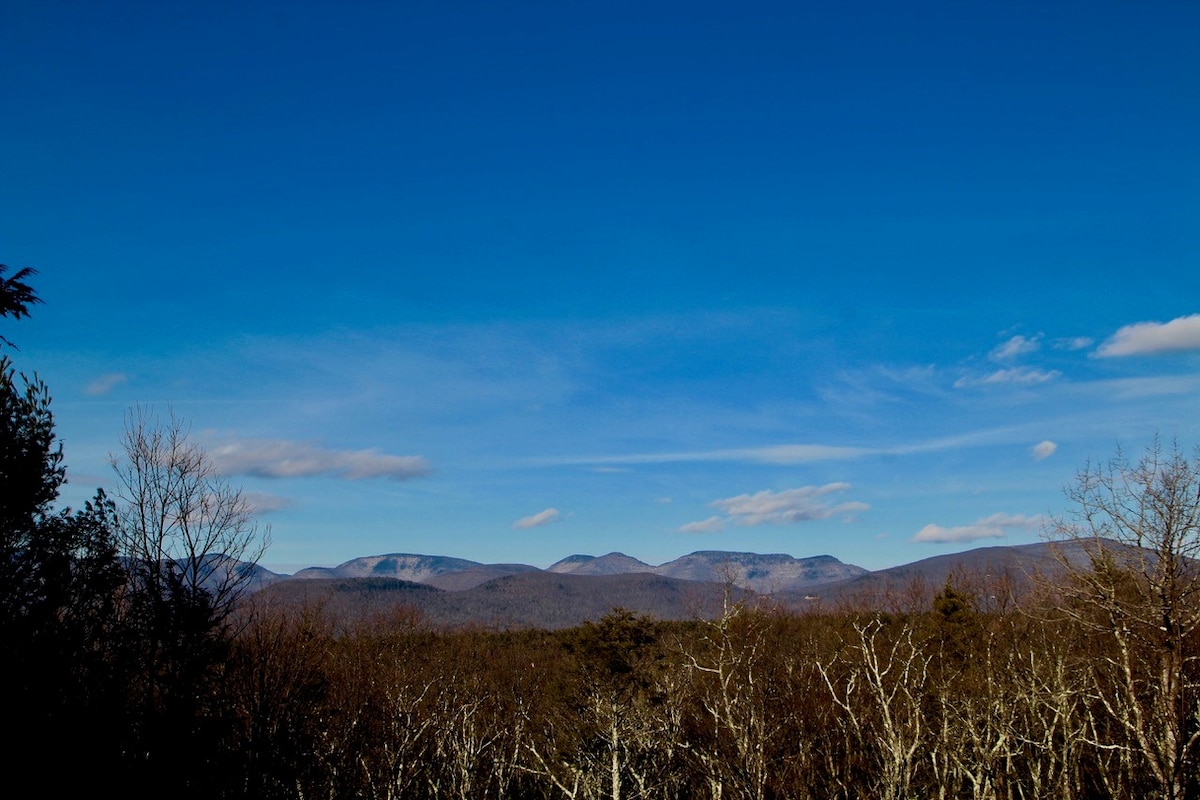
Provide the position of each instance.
(1043, 450)
(997, 526)
(281, 458)
(105, 383)
(264, 503)
(1073, 343)
(541, 518)
(810, 453)
(797, 453)
(1150, 338)
(710, 525)
(770, 454)
(1015, 347)
(1023, 376)
(789, 506)
(1139, 388)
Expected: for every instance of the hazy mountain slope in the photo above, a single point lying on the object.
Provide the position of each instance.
(403, 566)
(610, 564)
(1011, 571)
(469, 578)
(764, 574)
(760, 573)
(528, 600)
(773, 572)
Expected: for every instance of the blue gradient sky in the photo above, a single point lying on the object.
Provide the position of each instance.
(511, 281)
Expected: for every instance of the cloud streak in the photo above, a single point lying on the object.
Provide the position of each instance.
(997, 526)
(281, 458)
(1016, 347)
(1021, 376)
(1073, 343)
(710, 525)
(790, 506)
(550, 515)
(782, 454)
(105, 384)
(788, 454)
(264, 503)
(1153, 338)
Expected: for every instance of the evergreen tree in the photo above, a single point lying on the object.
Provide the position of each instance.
(60, 580)
(16, 296)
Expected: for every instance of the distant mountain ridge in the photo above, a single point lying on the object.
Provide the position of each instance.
(611, 564)
(1016, 569)
(405, 566)
(762, 574)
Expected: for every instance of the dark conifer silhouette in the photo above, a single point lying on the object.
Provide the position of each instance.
(16, 296)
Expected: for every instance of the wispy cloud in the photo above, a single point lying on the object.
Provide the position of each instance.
(1073, 343)
(787, 454)
(771, 454)
(281, 458)
(537, 520)
(803, 504)
(1016, 347)
(1147, 387)
(1152, 338)
(1043, 450)
(1006, 355)
(1021, 376)
(997, 526)
(264, 503)
(710, 525)
(105, 383)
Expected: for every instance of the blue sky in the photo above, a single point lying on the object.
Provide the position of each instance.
(512, 281)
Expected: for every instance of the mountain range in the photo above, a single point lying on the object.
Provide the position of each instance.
(763, 574)
(454, 591)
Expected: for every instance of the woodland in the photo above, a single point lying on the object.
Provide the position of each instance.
(137, 661)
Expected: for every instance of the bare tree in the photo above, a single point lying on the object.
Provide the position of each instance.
(881, 700)
(189, 543)
(182, 522)
(730, 677)
(1139, 593)
(466, 742)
